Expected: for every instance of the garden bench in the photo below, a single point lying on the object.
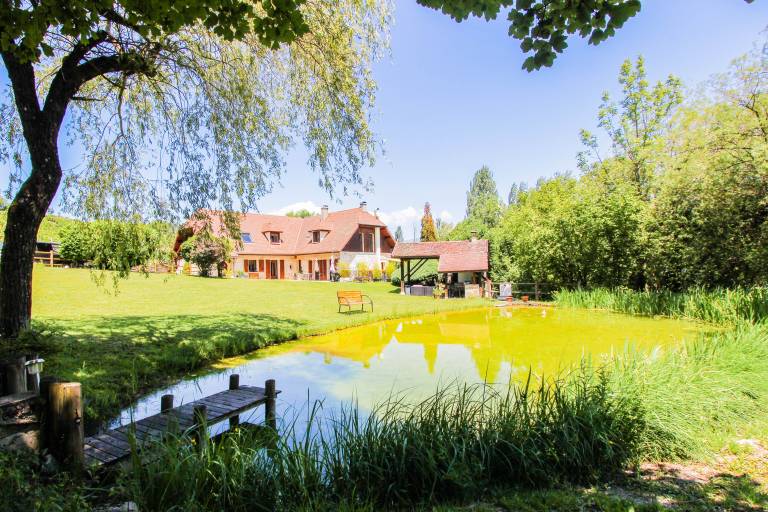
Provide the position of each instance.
(351, 298)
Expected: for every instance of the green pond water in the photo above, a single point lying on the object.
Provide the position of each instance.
(412, 357)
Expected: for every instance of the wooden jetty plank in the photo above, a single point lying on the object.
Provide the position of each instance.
(109, 447)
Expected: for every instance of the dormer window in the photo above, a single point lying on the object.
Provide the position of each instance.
(246, 237)
(274, 237)
(316, 237)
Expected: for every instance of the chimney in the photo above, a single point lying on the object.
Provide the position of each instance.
(363, 206)
(473, 236)
(376, 213)
(324, 212)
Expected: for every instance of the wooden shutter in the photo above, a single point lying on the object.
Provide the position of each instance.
(282, 269)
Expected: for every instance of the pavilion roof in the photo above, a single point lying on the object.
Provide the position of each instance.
(453, 256)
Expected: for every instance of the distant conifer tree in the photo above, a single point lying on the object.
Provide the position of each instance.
(428, 231)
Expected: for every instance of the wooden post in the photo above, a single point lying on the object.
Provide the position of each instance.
(46, 437)
(166, 403)
(409, 272)
(14, 376)
(402, 278)
(50, 258)
(200, 429)
(269, 405)
(234, 383)
(65, 405)
(536, 290)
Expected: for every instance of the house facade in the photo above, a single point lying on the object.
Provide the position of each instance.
(310, 248)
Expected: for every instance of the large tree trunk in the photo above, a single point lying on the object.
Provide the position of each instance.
(31, 202)
(24, 217)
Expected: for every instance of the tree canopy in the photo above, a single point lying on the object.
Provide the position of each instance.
(177, 108)
(428, 231)
(679, 200)
(543, 26)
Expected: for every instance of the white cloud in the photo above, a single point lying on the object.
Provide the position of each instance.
(446, 216)
(294, 207)
(403, 217)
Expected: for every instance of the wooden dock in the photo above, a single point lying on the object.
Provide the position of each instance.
(113, 446)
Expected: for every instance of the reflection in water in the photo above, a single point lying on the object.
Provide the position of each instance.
(414, 356)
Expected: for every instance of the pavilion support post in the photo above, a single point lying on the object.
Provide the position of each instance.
(536, 292)
(409, 272)
(234, 383)
(402, 278)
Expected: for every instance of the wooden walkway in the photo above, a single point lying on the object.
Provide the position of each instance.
(113, 446)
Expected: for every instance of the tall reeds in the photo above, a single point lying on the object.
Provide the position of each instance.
(465, 440)
(719, 306)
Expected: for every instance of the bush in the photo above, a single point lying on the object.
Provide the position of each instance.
(376, 273)
(206, 250)
(343, 269)
(390, 269)
(363, 270)
(115, 245)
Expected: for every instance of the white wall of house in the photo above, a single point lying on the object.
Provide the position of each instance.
(370, 259)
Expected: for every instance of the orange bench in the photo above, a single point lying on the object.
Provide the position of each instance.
(351, 298)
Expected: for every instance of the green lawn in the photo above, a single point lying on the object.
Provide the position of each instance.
(153, 329)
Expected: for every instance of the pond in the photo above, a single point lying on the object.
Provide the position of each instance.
(414, 356)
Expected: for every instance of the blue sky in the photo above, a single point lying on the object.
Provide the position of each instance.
(452, 97)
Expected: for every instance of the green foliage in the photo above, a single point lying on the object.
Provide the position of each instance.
(571, 233)
(206, 250)
(50, 228)
(543, 26)
(376, 273)
(230, 75)
(679, 202)
(482, 190)
(303, 213)
(343, 269)
(719, 306)
(26, 488)
(114, 245)
(428, 231)
(636, 127)
(272, 23)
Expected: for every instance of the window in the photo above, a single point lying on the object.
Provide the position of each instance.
(315, 237)
(253, 265)
(274, 237)
(246, 237)
(367, 242)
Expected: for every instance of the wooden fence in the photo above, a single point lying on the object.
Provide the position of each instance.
(49, 258)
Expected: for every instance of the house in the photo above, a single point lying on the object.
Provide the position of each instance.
(311, 248)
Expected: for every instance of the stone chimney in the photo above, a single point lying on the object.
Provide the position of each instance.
(473, 236)
(363, 206)
(324, 212)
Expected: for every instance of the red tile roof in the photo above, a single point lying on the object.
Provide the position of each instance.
(296, 232)
(455, 256)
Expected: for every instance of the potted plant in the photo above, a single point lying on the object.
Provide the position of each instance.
(438, 292)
